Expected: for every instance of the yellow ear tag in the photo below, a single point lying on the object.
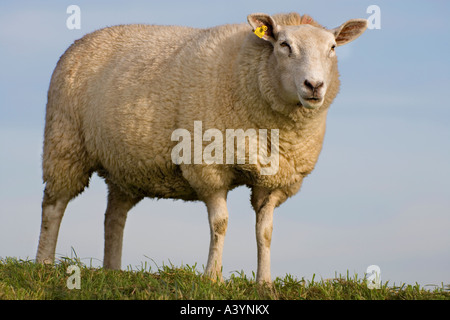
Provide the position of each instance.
(261, 31)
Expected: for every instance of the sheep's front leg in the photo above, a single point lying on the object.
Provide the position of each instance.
(264, 201)
(218, 222)
(264, 227)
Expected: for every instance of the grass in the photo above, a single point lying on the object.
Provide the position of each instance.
(26, 280)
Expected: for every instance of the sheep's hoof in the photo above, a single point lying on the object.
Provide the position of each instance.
(214, 277)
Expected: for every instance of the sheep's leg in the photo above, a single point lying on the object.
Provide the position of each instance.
(116, 214)
(59, 190)
(264, 227)
(52, 213)
(218, 222)
(264, 201)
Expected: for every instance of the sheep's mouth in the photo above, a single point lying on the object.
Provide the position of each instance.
(310, 102)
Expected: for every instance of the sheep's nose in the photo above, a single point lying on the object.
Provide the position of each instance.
(313, 85)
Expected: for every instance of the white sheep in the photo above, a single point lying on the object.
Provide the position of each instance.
(118, 94)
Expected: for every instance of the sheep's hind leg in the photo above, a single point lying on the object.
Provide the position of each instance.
(218, 222)
(52, 213)
(116, 214)
(59, 190)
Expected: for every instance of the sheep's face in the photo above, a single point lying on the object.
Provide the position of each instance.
(304, 59)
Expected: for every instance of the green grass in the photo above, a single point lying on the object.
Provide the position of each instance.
(24, 279)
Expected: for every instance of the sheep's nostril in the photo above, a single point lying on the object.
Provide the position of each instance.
(309, 85)
(313, 85)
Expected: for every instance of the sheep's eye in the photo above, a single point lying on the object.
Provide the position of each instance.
(333, 47)
(285, 44)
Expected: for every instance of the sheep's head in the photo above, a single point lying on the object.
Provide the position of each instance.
(303, 58)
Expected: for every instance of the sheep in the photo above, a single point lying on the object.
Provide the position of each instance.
(117, 95)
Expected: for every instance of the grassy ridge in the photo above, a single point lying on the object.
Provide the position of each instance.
(24, 279)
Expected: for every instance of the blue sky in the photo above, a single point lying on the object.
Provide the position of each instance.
(380, 193)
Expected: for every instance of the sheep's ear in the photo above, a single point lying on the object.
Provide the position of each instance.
(349, 31)
(264, 26)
